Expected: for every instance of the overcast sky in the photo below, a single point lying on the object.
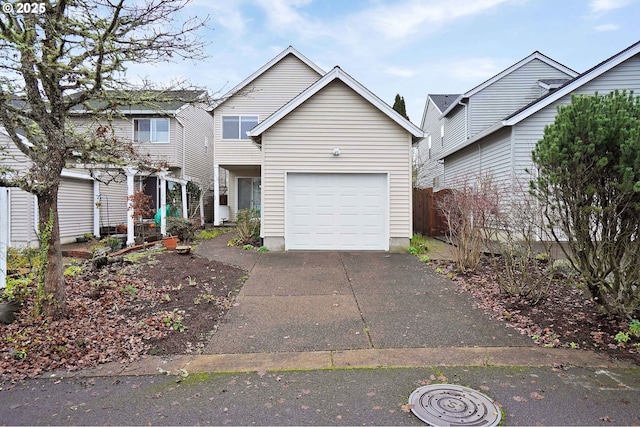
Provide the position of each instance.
(411, 47)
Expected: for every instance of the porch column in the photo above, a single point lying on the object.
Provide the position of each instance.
(216, 194)
(4, 234)
(162, 181)
(130, 172)
(96, 208)
(201, 206)
(185, 208)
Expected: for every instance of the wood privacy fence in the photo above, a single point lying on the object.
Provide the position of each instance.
(427, 217)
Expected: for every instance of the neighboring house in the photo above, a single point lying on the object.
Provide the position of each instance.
(176, 132)
(18, 210)
(505, 147)
(464, 116)
(429, 172)
(328, 163)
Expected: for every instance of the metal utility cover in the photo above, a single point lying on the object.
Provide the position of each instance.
(453, 405)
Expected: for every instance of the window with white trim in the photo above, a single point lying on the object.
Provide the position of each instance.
(151, 130)
(442, 135)
(236, 127)
(429, 148)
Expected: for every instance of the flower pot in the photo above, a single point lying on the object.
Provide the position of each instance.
(170, 242)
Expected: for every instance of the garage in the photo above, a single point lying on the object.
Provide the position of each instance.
(337, 211)
(75, 207)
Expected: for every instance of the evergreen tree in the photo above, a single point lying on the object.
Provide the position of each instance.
(400, 107)
(589, 181)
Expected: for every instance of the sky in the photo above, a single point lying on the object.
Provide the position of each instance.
(407, 47)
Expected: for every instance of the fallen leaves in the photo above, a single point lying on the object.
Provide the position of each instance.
(116, 315)
(566, 318)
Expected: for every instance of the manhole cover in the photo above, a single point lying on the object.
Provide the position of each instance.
(453, 405)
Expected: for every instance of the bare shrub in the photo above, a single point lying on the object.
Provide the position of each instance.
(522, 259)
(468, 209)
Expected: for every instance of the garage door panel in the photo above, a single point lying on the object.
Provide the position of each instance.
(337, 211)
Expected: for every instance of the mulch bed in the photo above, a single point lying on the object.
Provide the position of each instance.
(163, 303)
(567, 317)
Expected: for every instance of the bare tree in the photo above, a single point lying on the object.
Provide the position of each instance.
(61, 58)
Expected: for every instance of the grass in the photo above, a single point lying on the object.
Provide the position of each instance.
(212, 233)
(428, 248)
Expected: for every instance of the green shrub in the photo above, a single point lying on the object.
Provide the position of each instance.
(247, 227)
(17, 289)
(183, 228)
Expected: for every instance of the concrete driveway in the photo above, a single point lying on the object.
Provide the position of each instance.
(315, 301)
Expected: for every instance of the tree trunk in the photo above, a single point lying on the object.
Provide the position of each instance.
(54, 301)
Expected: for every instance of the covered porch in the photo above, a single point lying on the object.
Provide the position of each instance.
(240, 186)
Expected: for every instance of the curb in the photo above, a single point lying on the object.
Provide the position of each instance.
(353, 359)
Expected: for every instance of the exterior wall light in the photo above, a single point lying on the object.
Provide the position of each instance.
(336, 151)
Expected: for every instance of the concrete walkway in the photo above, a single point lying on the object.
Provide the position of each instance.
(358, 309)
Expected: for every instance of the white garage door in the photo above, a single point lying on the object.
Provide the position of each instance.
(75, 207)
(336, 211)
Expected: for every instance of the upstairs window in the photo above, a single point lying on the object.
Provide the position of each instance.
(236, 127)
(151, 130)
(442, 135)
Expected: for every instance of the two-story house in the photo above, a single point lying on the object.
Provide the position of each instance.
(504, 148)
(326, 162)
(176, 132)
(451, 120)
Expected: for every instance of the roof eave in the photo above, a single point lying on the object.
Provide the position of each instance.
(490, 130)
(577, 82)
(336, 73)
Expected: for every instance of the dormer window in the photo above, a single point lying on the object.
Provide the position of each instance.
(236, 127)
(151, 130)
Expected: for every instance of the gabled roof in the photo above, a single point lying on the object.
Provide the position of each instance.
(442, 102)
(572, 85)
(288, 51)
(535, 55)
(335, 74)
(566, 89)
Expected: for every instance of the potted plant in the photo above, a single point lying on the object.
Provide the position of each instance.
(170, 242)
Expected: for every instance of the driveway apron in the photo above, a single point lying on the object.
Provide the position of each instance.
(314, 301)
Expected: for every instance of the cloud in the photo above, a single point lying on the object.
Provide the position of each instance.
(598, 6)
(475, 70)
(607, 27)
(399, 20)
(401, 72)
(227, 14)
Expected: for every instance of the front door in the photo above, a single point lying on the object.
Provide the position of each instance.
(249, 192)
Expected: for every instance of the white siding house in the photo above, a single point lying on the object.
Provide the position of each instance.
(250, 102)
(76, 198)
(468, 115)
(505, 148)
(337, 170)
(177, 133)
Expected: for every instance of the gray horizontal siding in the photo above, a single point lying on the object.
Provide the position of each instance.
(508, 94)
(529, 131)
(492, 155)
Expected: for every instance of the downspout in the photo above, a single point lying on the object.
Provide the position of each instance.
(466, 119)
(184, 145)
(185, 208)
